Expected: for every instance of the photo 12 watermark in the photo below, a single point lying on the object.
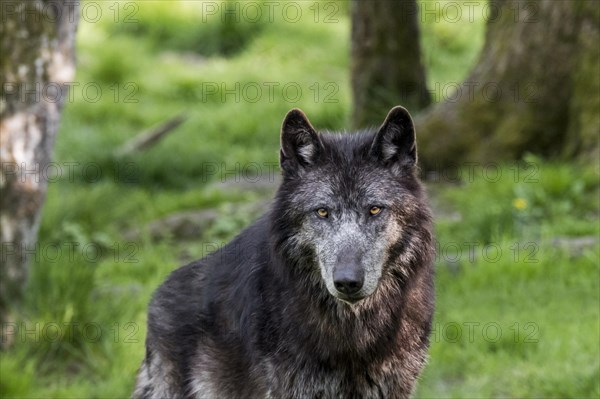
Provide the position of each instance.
(471, 11)
(488, 331)
(69, 171)
(326, 12)
(268, 91)
(490, 172)
(70, 92)
(75, 331)
(489, 252)
(69, 251)
(125, 12)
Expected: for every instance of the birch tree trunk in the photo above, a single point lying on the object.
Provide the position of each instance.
(37, 42)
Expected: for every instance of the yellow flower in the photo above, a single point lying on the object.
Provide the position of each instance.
(520, 203)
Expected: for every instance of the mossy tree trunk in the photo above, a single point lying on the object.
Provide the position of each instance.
(386, 60)
(535, 88)
(37, 43)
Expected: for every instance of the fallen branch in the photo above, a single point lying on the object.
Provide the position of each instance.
(148, 139)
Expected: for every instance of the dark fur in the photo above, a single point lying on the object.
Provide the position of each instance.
(254, 319)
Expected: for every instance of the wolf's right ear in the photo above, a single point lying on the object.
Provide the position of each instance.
(300, 143)
(395, 143)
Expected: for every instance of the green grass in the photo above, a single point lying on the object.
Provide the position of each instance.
(86, 306)
(516, 329)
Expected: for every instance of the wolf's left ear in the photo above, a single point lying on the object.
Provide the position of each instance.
(300, 143)
(395, 143)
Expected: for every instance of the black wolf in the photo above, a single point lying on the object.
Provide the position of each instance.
(328, 295)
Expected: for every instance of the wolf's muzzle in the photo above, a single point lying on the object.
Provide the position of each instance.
(348, 279)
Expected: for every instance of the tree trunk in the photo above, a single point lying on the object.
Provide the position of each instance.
(37, 45)
(386, 60)
(535, 88)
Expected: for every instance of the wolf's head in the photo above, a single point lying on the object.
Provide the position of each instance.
(350, 206)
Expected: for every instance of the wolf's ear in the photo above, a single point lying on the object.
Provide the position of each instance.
(300, 143)
(395, 143)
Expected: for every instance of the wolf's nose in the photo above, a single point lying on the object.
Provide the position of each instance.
(347, 282)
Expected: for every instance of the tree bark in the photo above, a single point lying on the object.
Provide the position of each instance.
(534, 89)
(386, 60)
(37, 45)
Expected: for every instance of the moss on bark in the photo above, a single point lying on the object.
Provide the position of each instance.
(534, 89)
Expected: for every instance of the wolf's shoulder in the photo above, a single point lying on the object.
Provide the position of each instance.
(189, 284)
(186, 297)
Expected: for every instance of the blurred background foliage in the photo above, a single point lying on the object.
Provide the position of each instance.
(156, 59)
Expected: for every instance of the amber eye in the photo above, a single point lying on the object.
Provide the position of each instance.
(322, 212)
(375, 210)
